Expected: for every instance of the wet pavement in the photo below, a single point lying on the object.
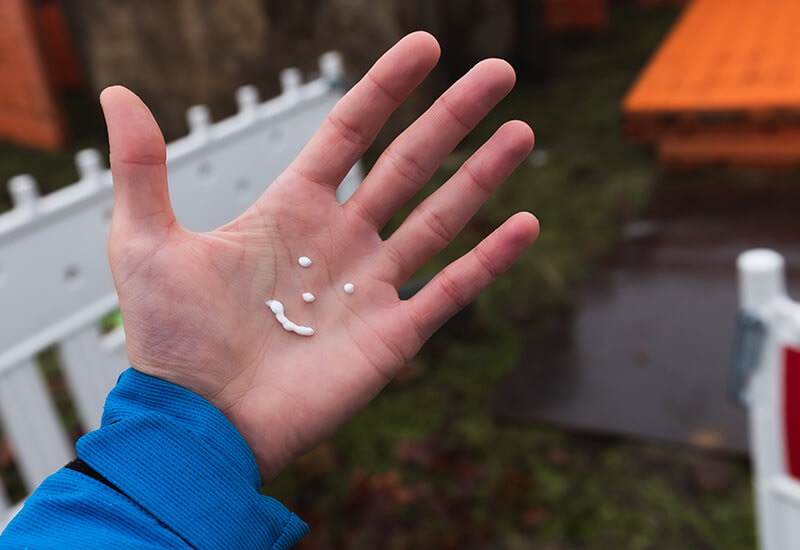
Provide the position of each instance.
(647, 351)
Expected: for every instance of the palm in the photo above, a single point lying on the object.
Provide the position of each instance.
(194, 304)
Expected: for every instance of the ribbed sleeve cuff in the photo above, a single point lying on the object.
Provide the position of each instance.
(179, 458)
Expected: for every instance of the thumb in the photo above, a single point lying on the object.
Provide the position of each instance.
(138, 164)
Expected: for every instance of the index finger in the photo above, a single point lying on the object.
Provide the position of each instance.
(357, 118)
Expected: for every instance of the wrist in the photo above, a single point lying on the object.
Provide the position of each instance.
(156, 434)
(264, 435)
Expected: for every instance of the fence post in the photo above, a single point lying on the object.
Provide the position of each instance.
(762, 295)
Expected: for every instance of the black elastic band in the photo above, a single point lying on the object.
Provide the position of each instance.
(80, 466)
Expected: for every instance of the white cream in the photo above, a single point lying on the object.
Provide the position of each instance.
(349, 288)
(308, 297)
(305, 261)
(277, 309)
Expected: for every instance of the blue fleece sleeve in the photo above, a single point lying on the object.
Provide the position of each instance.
(174, 473)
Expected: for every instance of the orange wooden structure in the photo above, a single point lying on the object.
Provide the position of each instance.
(575, 15)
(34, 57)
(62, 63)
(724, 87)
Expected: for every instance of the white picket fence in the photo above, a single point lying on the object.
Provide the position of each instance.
(769, 365)
(55, 283)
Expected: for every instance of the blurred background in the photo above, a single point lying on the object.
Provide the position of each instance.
(583, 402)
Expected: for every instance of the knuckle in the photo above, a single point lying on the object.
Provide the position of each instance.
(486, 263)
(408, 167)
(394, 256)
(350, 133)
(437, 226)
(454, 291)
(453, 113)
(476, 179)
(417, 325)
(384, 88)
(362, 213)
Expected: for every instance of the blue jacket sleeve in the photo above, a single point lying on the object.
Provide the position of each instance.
(168, 470)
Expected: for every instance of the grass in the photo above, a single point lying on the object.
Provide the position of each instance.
(425, 465)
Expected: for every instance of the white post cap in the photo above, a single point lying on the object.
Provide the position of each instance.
(761, 278)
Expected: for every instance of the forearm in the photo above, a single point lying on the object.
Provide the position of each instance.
(166, 470)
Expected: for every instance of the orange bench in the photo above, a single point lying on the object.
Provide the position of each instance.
(726, 74)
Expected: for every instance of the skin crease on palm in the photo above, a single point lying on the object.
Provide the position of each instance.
(193, 304)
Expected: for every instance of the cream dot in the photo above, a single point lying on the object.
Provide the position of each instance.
(305, 261)
(308, 297)
(349, 288)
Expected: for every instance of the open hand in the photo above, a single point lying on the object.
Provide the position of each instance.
(193, 304)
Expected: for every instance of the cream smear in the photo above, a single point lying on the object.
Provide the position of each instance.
(308, 297)
(305, 261)
(277, 309)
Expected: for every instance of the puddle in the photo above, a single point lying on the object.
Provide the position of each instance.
(647, 351)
